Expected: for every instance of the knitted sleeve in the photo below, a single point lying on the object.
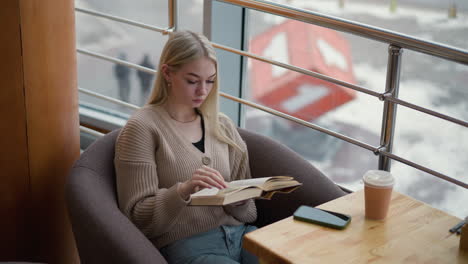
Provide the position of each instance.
(151, 209)
(240, 169)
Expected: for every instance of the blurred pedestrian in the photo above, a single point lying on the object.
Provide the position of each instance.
(146, 78)
(122, 73)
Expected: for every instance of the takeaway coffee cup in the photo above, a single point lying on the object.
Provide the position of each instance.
(378, 186)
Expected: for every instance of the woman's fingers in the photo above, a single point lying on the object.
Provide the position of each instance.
(201, 184)
(214, 174)
(206, 181)
(206, 177)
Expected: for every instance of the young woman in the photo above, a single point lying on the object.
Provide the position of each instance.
(177, 144)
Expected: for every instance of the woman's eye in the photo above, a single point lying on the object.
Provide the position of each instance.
(191, 82)
(210, 82)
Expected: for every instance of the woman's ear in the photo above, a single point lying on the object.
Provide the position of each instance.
(166, 72)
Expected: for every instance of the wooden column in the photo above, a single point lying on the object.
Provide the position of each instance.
(39, 129)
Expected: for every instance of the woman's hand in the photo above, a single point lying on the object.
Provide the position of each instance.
(204, 177)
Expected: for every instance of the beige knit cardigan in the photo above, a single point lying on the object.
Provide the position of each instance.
(152, 157)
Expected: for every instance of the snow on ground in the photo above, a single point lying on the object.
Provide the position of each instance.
(438, 145)
(437, 18)
(431, 142)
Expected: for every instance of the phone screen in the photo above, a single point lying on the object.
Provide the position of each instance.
(322, 217)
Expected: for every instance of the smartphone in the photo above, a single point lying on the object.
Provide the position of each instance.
(322, 217)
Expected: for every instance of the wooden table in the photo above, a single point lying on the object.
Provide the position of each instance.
(413, 232)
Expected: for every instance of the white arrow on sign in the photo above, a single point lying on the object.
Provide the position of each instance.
(306, 95)
(332, 56)
(278, 50)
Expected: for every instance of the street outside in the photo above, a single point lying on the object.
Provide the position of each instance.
(431, 82)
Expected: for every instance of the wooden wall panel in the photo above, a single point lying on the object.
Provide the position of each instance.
(14, 167)
(48, 34)
(40, 129)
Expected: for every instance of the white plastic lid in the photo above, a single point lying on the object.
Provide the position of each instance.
(378, 178)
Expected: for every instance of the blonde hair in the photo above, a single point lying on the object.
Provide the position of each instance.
(181, 48)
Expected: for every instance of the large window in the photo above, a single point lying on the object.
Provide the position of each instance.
(430, 82)
(128, 43)
(427, 81)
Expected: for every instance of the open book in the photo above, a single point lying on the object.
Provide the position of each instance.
(236, 191)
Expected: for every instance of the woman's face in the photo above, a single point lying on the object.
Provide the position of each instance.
(191, 84)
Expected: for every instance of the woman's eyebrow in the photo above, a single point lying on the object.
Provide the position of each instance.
(195, 75)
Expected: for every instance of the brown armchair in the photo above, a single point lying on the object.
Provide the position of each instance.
(104, 235)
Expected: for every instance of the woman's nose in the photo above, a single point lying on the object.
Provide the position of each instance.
(202, 89)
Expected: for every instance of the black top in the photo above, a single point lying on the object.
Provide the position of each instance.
(201, 144)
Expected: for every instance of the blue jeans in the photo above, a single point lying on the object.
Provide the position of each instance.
(219, 245)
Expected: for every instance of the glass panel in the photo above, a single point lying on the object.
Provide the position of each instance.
(431, 82)
(340, 109)
(432, 190)
(431, 142)
(343, 162)
(145, 11)
(191, 15)
(130, 43)
(440, 87)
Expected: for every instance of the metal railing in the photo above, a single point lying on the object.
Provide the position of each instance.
(397, 42)
(359, 29)
(91, 131)
(108, 98)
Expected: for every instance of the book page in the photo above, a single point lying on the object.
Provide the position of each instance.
(248, 182)
(206, 192)
(239, 185)
(215, 191)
